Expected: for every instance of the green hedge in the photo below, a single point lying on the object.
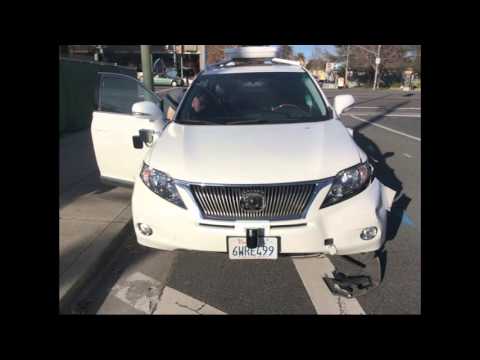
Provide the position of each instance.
(77, 82)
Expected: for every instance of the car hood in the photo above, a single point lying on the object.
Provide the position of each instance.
(254, 154)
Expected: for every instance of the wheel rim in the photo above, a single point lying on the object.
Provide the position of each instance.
(174, 83)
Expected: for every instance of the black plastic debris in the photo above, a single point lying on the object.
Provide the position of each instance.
(348, 286)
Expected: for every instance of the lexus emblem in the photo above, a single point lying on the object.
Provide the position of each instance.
(252, 201)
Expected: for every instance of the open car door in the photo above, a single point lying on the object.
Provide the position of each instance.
(114, 127)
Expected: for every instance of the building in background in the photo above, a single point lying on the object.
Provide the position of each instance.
(129, 55)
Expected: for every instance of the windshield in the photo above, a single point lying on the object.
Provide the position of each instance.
(249, 98)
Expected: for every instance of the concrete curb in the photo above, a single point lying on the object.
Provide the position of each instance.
(89, 262)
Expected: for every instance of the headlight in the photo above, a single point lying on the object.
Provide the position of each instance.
(161, 184)
(349, 182)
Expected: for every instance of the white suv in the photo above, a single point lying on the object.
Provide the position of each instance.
(255, 162)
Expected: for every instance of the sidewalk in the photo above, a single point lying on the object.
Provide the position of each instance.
(93, 217)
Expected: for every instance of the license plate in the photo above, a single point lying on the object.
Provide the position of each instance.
(238, 250)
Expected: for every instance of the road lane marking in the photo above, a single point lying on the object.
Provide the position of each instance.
(312, 270)
(382, 107)
(139, 291)
(406, 220)
(386, 128)
(174, 302)
(388, 115)
(145, 294)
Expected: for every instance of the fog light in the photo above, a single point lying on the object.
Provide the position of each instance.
(145, 229)
(368, 233)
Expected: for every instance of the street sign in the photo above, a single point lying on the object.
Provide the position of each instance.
(377, 61)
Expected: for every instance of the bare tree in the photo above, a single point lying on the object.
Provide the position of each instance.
(414, 54)
(301, 57)
(319, 59)
(316, 64)
(285, 52)
(362, 58)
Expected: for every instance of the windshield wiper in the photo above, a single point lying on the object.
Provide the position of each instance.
(274, 121)
(256, 121)
(201, 122)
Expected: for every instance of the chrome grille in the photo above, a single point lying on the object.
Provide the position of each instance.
(221, 202)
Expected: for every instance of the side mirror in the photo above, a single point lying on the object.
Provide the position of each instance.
(144, 136)
(341, 102)
(147, 109)
(137, 142)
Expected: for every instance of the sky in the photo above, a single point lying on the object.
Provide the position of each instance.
(307, 49)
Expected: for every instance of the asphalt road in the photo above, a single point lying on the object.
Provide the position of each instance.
(387, 127)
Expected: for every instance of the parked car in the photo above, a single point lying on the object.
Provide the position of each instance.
(255, 163)
(167, 78)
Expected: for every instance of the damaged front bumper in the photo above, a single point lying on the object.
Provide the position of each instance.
(368, 274)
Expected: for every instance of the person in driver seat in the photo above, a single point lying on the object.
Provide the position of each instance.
(199, 103)
(200, 107)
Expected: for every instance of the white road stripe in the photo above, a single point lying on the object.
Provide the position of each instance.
(382, 107)
(311, 271)
(389, 115)
(143, 293)
(385, 128)
(175, 302)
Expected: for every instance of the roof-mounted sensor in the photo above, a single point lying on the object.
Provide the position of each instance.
(252, 55)
(251, 52)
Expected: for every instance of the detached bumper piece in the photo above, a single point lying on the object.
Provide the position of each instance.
(348, 286)
(360, 282)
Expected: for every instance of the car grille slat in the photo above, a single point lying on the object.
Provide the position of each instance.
(222, 202)
(297, 204)
(211, 207)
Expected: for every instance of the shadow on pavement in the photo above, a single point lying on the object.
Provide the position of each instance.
(386, 175)
(78, 172)
(88, 297)
(373, 99)
(358, 263)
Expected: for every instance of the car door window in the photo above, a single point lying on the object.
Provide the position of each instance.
(119, 93)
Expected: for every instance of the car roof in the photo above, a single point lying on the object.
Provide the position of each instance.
(253, 69)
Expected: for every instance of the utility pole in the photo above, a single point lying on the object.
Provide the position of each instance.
(98, 55)
(175, 56)
(346, 67)
(203, 56)
(377, 62)
(181, 62)
(146, 54)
